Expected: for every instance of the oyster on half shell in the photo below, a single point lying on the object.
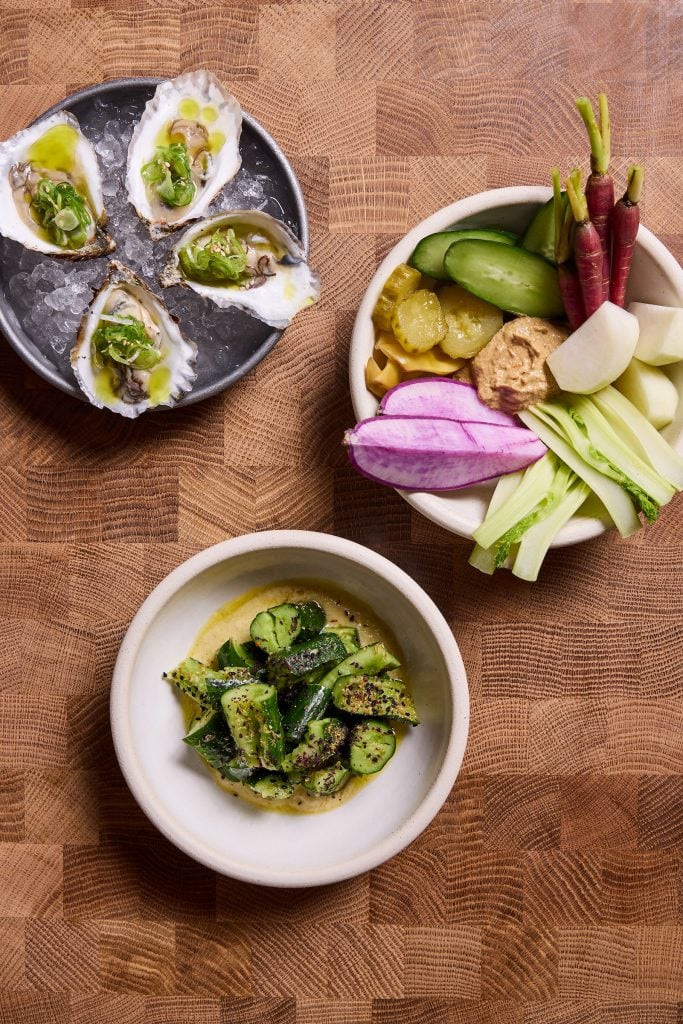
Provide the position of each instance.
(184, 149)
(246, 259)
(51, 190)
(130, 355)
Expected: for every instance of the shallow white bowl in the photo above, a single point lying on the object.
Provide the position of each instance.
(655, 277)
(229, 835)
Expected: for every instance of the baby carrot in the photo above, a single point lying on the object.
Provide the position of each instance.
(566, 271)
(625, 223)
(587, 250)
(600, 185)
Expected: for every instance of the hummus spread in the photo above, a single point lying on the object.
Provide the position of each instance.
(510, 372)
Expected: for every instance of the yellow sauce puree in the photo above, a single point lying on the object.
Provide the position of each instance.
(232, 621)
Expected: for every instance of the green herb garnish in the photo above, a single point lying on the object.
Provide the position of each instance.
(222, 257)
(124, 340)
(62, 212)
(170, 175)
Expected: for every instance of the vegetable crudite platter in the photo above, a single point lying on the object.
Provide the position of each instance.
(309, 708)
(153, 243)
(517, 365)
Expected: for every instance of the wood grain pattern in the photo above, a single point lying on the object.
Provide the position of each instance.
(549, 890)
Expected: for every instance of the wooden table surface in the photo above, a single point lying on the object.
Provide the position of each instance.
(549, 887)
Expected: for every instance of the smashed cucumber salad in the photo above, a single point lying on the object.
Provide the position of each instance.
(301, 705)
(517, 359)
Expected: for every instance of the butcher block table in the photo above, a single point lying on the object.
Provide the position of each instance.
(548, 889)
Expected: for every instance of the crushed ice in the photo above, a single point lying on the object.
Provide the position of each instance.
(49, 296)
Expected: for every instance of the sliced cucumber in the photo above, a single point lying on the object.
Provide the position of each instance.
(321, 745)
(372, 744)
(348, 635)
(328, 780)
(539, 237)
(369, 660)
(253, 715)
(272, 786)
(237, 770)
(218, 682)
(428, 255)
(374, 695)
(205, 684)
(210, 737)
(509, 277)
(296, 661)
(281, 626)
(310, 702)
(234, 655)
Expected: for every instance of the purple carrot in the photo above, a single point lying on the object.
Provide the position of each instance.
(566, 271)
(587, 250)
(625, 223)
(600, 185)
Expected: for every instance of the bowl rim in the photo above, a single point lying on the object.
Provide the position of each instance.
(433, 505)
(306, 540)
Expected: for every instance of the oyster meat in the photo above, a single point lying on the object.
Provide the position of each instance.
(246, 259)
(183, 151)
(51, 190)
(130, 355)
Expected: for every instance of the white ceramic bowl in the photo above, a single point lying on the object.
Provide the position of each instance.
(655, 277)
(229, 835)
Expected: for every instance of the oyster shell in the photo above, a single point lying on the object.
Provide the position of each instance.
(163, 368)
(196, 113)
(37, 208)
(275, 281)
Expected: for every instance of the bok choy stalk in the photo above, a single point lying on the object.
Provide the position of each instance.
(520, 528)
(615, 499)
(571, 494)
(589, 433)
(637, 431)
(506, 525)
(482, 558)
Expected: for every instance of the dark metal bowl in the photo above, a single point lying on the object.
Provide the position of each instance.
(234, 342)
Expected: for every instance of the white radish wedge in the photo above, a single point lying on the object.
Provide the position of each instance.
(661, 333)
(597, 352)
(651, 391)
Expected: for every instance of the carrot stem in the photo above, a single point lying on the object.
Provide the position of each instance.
(599, 154)
(634, 183)
(605, 130)
(577, 200)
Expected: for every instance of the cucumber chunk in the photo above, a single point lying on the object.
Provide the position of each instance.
(511, 278)
(234, 655)
(326, 781)
(272, 786)
(253, 716)
(205, 684)
(372, 744)
(310, 702)
(286, 666)
(321, 745)
(210, 737)
(281, 626)
(377, 696)
(428, 255)
(369, 660)
(348, 635)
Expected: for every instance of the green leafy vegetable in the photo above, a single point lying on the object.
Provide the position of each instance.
(170, 175)
(63, 212)
(124, 340)
(220, 257)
